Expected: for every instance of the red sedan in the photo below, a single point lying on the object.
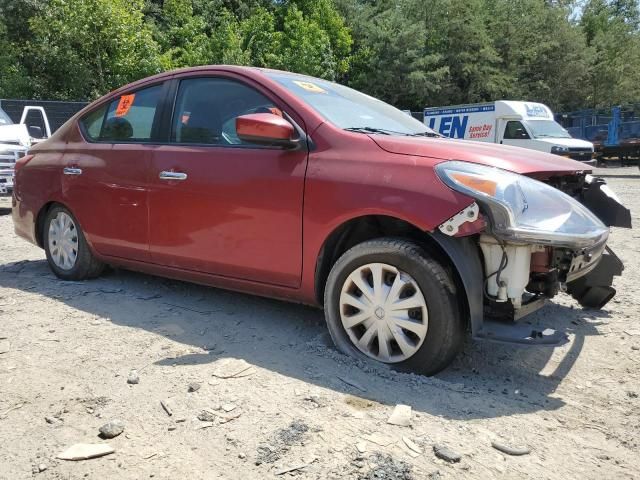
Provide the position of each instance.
(293, 187)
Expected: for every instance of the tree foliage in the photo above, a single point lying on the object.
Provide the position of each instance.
(568, 54)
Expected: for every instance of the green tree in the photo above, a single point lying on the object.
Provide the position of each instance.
(261, 39)
(325, 15)
(182, 36)
(397, 53)
(84, 48)
(542, 53)
(612, 34)
(14, 82)
(468, 52)
(305, 47)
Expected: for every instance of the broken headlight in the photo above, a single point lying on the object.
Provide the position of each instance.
(523, 209)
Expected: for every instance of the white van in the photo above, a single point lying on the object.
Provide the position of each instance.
(522, 124)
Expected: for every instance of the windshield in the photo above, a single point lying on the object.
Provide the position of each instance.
(348, 108)
(547, 129)
(4, 118)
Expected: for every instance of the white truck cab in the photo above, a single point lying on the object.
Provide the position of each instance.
(522, 124)
(15, 140)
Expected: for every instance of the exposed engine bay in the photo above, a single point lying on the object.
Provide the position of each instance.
(521, 275)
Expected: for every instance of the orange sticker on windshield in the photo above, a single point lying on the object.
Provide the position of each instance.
(126, 101)
(310, 87)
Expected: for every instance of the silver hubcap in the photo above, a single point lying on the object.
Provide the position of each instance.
(63, 241)
(384, 312)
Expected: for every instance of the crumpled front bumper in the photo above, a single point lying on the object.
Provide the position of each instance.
(594, 289)
(598, 197)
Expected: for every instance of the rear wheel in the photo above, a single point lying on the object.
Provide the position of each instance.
(67, 250)
(390, 301)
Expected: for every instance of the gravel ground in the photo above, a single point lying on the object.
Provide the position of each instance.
(255, 390)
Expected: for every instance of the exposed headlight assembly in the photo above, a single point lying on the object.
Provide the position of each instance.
(521, 209)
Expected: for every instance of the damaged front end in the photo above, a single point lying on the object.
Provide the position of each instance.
(536, 239)
(592, 287)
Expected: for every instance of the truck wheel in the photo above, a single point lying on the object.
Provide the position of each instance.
(389, 300)
(67, 250)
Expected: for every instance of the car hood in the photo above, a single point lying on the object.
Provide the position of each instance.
(14, 133)
(532, 163)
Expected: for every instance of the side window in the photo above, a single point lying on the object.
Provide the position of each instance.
(206, 110)
(92, 122)
(515, 131)
(128, 118)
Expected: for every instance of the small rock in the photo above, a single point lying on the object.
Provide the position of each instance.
(51, 420)
(411, 445)
(171, 428)
(166, 407)
(435, 475)
(111, 429)
(206, 416)
(228, 407)
(635, 347)
(42, 467)
(401, 416)
(516, 451)
(446, 454)
(84, 451)
(242, 455)
(632, 395)
(193, 387)
(379, 439)
(133, 378)
(361, 447)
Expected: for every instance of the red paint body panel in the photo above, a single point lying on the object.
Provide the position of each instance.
(238, 213)
(110, 198)
(515, 159)
(250, 219)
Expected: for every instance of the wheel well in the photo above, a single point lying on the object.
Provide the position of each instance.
(370, 227)
(42, 214)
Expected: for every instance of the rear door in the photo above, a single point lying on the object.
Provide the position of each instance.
(219, 205)
(105, 176)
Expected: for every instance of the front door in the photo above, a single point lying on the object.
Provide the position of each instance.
(514, 133)
(219, 205)
(105, 177)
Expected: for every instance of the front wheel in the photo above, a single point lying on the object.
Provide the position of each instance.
(390, 301)
(66, 248)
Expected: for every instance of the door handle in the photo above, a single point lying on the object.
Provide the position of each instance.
(72, 171)
(172, 176)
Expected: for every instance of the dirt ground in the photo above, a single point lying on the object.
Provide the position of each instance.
(274, 395)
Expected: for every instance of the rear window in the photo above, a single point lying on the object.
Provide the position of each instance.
(127, 118)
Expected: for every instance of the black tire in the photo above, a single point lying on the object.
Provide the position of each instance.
(445, 333)
(86, 265)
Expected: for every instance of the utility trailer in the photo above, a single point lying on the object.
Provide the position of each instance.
(614, 132)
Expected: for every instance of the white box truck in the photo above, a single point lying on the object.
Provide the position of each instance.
(522, 124)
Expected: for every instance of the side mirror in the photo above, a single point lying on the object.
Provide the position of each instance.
(34, 131)
(266, 129)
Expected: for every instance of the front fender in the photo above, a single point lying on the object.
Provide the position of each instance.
(465, 256)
